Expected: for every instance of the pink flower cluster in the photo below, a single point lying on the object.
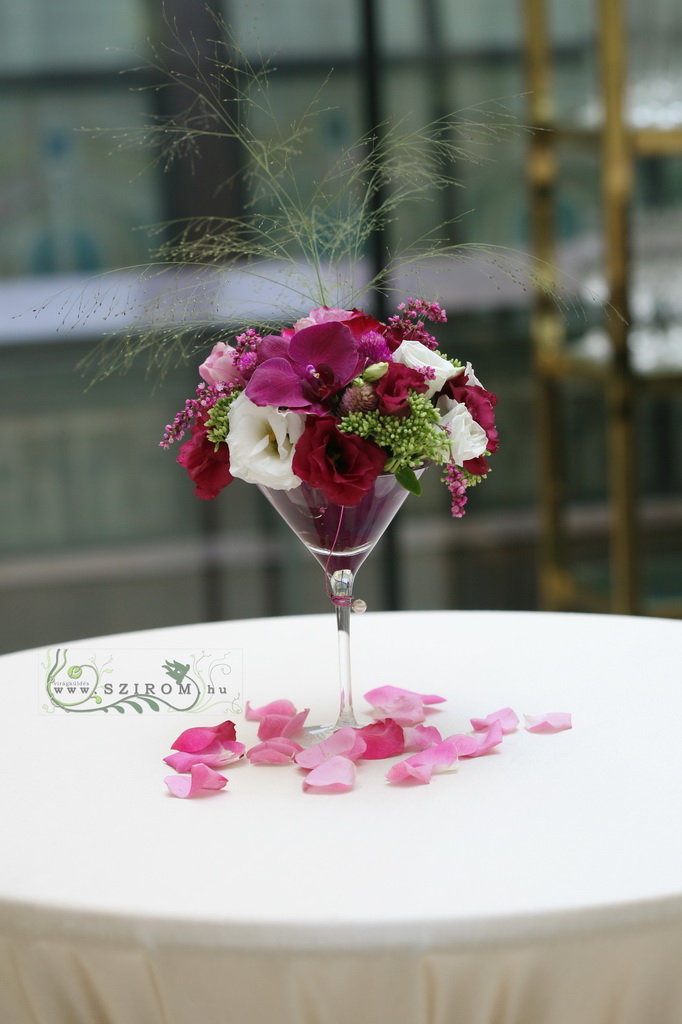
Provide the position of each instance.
(330, 764)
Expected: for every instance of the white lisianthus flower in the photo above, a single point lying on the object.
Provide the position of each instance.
(415, 355)
(262, 440)
(472, 379)
(466, 437)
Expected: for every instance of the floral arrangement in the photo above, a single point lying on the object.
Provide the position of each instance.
(333, 402)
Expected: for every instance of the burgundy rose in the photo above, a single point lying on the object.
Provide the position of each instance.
(477, 467)
(480, 403)
(209, 469)
(394, 387)
(343, 466)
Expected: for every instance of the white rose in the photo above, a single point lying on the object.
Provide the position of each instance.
(262, 440)
(467, 438)
(415, 355)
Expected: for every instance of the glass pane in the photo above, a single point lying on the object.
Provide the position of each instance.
(39, 36)
(304, 29)
(573, 34)
(654, 33)
(69, 200)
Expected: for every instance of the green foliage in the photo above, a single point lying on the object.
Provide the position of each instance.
(217, 422)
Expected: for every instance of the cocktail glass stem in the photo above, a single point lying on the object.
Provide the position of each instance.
(341, 593)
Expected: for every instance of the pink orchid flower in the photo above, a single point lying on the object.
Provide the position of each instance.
(278, 750)
(200, 781)
(552, 721)
(345, 742)
(507, 718)
(335, 773)
(421, 766)
(383, 739)
(318, 361)
(215, 755)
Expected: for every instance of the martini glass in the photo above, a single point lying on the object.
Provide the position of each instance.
(340, 537)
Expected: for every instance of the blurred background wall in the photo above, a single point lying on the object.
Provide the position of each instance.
(99, 529)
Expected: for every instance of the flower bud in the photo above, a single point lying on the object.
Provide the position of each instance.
(375, 371)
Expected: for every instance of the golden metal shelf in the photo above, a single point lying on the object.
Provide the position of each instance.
(618, 146)
(642, 142)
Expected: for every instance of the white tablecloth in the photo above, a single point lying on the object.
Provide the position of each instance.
(540, 884)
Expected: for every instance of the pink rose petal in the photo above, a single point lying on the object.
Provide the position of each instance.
(507, 718)
(383, 694)
(552, 721)
(419, 772)
(466, 746)
(406, 710)
(200, 780)
(485, 740)
(278, 750)
(200, 737)
(295, 724)
(272, 725)
(345, 742)
(275, 707)
(183, 762)
(443, 755)
(382, 739)
(420, 737)
(336, 773)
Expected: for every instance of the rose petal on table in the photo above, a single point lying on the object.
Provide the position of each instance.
(383, 694)
(552, 721)
(442, 755)
(485, 740)
(406, 710)
(402, 770)
(466, 746)
(275, 707)
(345, 742)
(278, 750)
(272, 725)
(337, 773)
(507, 718)
(295, 724)
(200, 737)
(183, 762)
(200, 780)
(420, 737)
(383, 739)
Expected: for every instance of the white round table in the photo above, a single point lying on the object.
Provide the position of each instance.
(539, 884)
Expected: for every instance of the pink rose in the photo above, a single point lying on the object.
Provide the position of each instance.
(323, 315)
(343, 466)
(220, 366)
(354, 319)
